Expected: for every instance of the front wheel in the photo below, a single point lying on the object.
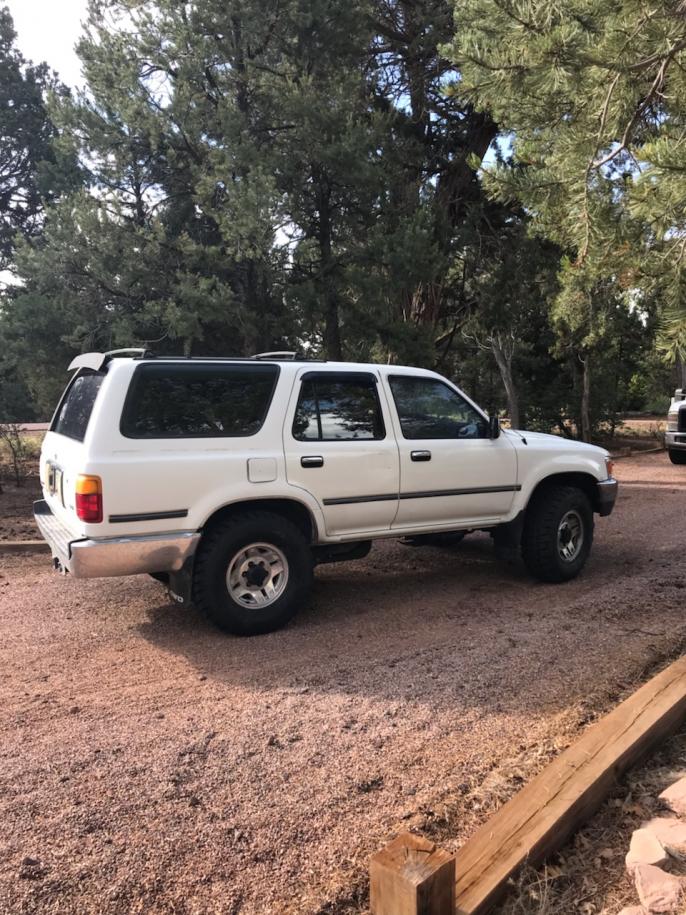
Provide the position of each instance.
(677, 457)
(252, 573)
(558, 533)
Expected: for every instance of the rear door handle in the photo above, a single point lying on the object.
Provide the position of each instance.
(420, 455)
(312, 460)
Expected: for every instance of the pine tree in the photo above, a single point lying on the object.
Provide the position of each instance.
(595, 95)
(29, 166)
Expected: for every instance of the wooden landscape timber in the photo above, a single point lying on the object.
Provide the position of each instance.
(411, 876)
(539, 819)
(24, 546)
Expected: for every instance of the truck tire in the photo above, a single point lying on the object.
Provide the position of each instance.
(252, 573)
(677, 457)
(558, 533)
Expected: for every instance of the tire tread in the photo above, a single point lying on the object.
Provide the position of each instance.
(202, 573)
(539, 541)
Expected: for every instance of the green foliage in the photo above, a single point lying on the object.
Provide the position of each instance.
(32, 170)
(595, 94)
(308, 176)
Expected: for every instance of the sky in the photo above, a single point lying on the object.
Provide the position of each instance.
(47, 30)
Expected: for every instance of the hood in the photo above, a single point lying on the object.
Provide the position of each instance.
(554, 442)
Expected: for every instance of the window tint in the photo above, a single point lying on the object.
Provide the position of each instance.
(338, 408)
(198, 401)
(75, 410)
(430, 409)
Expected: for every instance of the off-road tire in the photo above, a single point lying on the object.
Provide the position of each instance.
(540, 538)
(677, 457)
(217, 548)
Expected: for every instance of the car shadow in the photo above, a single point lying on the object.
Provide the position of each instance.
(452, 627)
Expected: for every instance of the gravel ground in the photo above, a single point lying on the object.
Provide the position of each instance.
(150, 764)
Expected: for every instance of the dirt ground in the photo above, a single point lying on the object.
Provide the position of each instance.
(150, 764)
(16, 512)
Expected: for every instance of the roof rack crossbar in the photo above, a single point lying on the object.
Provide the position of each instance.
(277, 354)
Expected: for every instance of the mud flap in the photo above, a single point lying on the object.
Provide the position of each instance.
(180, 584)
(507, 538)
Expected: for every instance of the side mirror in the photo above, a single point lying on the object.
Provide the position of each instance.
(493, 427)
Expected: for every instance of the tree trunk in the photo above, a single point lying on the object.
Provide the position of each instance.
(504, 364)
(327, 268)
(586, 400)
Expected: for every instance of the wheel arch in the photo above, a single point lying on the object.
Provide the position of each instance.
(292, 509)
(586, 482)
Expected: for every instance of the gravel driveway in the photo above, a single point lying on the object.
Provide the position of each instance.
(150, 764)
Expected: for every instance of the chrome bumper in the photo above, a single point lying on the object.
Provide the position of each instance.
(607, 496)
(113, 555)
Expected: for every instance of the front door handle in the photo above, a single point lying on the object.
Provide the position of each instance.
(312, 460)
(420, 455)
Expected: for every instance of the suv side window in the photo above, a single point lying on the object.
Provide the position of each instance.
(338, 407)
(428, 408)
(196, 400)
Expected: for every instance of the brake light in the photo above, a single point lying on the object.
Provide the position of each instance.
(89, 498)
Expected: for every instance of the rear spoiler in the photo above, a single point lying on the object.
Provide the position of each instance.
(97, 361)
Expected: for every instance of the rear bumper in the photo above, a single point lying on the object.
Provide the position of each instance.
(607, 496)
(113, 555)
(675, 441)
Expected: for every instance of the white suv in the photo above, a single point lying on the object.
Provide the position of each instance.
(229, 479)
(675, 436)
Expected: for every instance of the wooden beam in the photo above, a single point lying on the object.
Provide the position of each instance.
(24, 546)
(411, 876)
(540, 818)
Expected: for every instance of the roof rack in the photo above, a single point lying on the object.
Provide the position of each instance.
(277, 354)
(97, 361)
(139, 351)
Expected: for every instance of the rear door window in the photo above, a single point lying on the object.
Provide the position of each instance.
(198, 401)
(74, 412)
(338, 407)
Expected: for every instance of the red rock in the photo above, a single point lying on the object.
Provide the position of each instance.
(658, 891)
(645, 848)
(669, 831)
(634, 910)
(674, 797)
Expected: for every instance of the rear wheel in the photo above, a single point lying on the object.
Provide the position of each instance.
(252, 573)
(558, 533)
(677, 457)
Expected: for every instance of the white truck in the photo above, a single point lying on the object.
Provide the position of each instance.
(230, 479)
(675, 436)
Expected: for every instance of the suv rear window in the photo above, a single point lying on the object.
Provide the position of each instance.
(74, 412)
(198, 401)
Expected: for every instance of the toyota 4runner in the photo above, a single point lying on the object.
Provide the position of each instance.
(230, 479)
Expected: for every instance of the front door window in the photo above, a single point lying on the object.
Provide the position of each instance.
(429, 409)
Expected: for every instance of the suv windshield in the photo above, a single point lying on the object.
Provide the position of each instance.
(74, 412)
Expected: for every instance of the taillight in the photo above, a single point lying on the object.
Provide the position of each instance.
(89, 498)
